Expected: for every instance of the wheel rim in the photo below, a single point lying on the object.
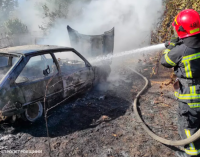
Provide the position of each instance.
(34, 111)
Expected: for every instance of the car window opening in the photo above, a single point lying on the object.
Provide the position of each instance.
(38, 67)
(69, 62)
(6, 63)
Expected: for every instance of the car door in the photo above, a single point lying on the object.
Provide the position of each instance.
(75, 73)
(53, 81)
(38, 78)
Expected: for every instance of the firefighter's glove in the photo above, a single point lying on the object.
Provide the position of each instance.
(172, 43)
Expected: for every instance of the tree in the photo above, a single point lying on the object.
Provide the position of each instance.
(172, 8)
(53, 10)
(11, 26)
(7, 6)
(14, 26)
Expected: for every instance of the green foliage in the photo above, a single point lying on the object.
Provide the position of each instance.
(172, 8)
(14, 26)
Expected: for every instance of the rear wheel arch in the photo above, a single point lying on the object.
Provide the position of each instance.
(33, 112)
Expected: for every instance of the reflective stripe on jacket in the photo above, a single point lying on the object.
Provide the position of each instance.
(186, 63)
(190, 95)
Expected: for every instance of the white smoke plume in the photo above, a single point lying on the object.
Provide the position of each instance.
(30, 14)
(133, 20)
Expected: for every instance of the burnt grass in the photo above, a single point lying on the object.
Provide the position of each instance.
(101, 123)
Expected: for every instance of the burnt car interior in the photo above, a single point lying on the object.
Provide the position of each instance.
(6, 62)
(37, 68)
(69, 62)
(41, 66)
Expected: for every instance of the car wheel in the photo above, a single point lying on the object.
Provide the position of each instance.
(33, 112)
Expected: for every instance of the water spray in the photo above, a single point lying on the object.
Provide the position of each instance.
(147, 49)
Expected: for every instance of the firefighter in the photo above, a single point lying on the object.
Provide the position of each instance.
(183, 54)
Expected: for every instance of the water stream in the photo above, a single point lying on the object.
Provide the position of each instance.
(147, 49)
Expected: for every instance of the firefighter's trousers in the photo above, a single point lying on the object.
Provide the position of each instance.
(188, 124)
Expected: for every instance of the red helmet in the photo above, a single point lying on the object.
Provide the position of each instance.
(187, 23)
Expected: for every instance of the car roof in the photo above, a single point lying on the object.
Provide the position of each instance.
(31, 49)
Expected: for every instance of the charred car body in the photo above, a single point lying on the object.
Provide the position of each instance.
(28, 74)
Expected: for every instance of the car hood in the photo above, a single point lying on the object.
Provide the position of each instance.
(92, 46)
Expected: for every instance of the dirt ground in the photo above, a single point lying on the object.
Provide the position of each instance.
(101, 123)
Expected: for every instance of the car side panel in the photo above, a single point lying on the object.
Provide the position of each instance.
(33, 90)
(13, 100)
(82, 79)
(68, 86)
(54, 90)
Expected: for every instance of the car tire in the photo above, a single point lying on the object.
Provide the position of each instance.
(33, 112)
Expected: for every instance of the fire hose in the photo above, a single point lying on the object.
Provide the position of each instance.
(149, 132)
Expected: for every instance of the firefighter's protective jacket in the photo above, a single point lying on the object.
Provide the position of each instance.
(185, 58)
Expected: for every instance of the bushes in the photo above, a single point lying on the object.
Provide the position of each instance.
(172, 8)
(14, 26)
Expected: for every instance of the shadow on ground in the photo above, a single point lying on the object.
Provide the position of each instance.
(76, 114)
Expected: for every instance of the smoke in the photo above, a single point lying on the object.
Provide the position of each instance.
(29, 12)
(133, 20)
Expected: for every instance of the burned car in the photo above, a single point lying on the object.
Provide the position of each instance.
(34, 75)
(30, 73)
